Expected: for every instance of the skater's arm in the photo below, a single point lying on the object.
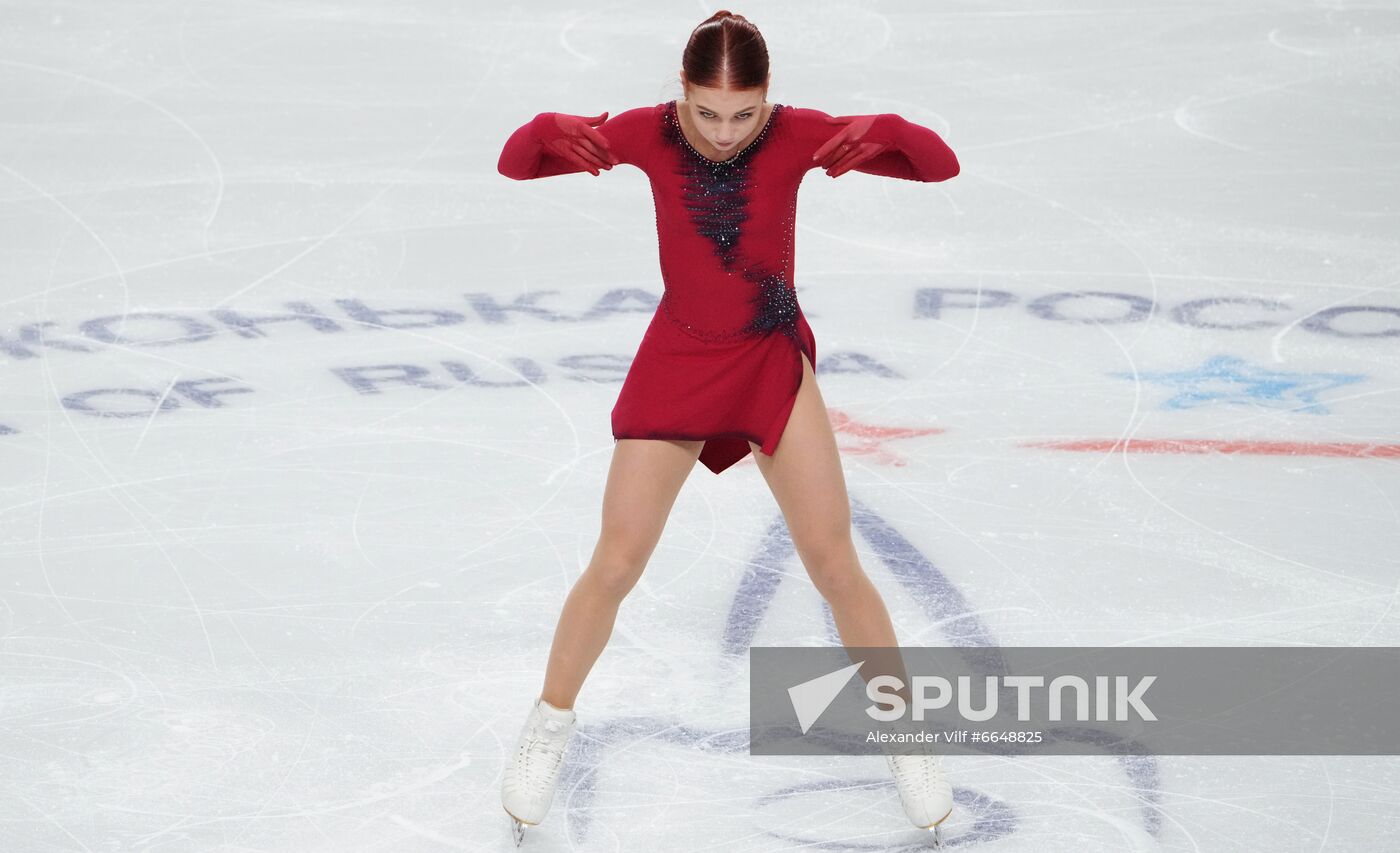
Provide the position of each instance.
(916, 153)
(884, 144)
(560, 144)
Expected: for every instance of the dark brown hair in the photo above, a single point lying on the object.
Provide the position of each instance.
(726, 51)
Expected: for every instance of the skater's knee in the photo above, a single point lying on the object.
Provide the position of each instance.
(822, 540)
(835, 569)
(614, 576)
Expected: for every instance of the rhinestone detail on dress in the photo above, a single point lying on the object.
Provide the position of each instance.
(716, 195)
(716, 191)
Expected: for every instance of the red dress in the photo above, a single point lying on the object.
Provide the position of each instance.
(721, 359)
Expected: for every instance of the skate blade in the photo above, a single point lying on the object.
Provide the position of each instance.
(938, 822)
(517, 828)
(935, 830)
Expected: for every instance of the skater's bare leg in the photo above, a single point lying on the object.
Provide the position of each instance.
(643, 481)
(804, 474)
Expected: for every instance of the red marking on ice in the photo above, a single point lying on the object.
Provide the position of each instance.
(1359, 450)
(869, 437)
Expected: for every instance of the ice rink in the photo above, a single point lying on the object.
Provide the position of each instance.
(305, 414)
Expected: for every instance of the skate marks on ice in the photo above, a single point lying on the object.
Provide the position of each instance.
(979, 817)
(587, 755)
(992, 819)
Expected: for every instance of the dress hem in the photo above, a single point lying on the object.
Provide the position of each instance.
(723, 449)
(678, 437)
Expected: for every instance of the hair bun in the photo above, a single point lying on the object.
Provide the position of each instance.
(722, 13)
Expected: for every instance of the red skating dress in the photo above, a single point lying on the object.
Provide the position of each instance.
(721, 358)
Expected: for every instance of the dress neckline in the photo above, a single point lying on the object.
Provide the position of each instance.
(674, 116)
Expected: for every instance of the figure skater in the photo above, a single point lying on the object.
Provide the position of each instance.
(726, 366)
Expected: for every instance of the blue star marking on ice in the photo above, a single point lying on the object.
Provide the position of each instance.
(1227, 379)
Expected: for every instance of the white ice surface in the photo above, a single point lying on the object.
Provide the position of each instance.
(247, 606)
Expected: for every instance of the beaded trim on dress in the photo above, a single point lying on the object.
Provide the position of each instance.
(715, 193)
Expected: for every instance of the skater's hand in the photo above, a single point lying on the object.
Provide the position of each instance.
(852, 145)
(575, 139)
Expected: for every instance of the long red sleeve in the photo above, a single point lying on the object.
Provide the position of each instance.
(918, 154)
(524, 156)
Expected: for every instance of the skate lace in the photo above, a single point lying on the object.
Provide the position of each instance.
(916, 772)
(543, 753)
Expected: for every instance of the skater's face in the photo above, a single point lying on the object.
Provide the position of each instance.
(724, 117)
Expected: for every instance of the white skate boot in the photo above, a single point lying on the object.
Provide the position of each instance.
(531, 772)
(924, 789)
